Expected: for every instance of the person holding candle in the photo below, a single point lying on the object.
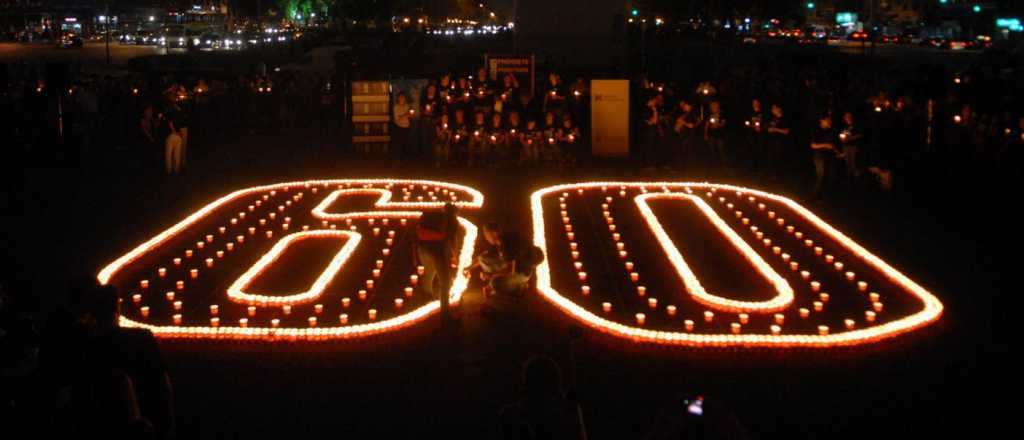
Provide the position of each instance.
(823, 146)
(714, 135)
(850, 137)
(402, 119)
(568, 138)
(442, 142)
(754, 132)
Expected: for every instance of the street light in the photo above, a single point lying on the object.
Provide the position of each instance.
(810, 5)
(976, 8)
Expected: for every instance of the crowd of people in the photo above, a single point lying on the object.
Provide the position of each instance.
(475, 121)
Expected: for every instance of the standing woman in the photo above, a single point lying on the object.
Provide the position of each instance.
(714, 134)
(850, 137)
(402, 117)
(174, 150)
(442, 142)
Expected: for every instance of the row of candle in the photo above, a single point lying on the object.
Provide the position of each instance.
(932, 309)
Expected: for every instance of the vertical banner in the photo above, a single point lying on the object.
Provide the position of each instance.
(609, 117)
(520, 66)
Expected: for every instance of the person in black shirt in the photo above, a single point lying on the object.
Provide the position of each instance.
(714, 134)
(685, 128)
(823, 145)
(108, 352)
(554, 97)
(777, 145)
(850, 138)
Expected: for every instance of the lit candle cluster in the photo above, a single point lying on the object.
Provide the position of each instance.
(385, 213)
(844, 332)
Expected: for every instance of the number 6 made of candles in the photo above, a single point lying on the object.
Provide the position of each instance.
(200, 254)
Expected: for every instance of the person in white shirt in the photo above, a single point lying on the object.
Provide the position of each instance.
(173, 150)
(402, 117)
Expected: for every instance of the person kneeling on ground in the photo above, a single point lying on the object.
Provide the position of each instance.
(507, 264)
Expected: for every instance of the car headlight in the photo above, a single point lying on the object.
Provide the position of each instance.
(195, 41)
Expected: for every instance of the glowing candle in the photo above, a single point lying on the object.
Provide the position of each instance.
(776, 250)
(251, 310)
(838, 266)
(652, 303)
(180, 285)
(270, 234)
(577, 265)
(312, 321)
(571, 236)
(376, 232)
(275, 322)
(829, 259)
(573, 246)
(629, 265)
(634, 277)
(575, 255)
(240, 239)
(823, 330)
(161, 272)
(214, 309)
(585, 290)
(243, 322)
(874, 297)
(877, 305)
(744, 318)
(850, 276)
(640, 318)
(815, 286)
(220, 254)
(824, 297)
(804, 313)
(209, 262)
(222, 230)
(709, 316)
(362, 295)
(818, 306)
(252, 231)
(369, 284)
(409, 291)
(798, 235)
(177, 261)
(606, 307)
(286, 309)
(318, 308)
(780, 318)
(144, 310)
(177, 318)
(169, 295)
(850, 324)
(805, 275)
(399, 302)
(775, 329)
(641, 290)
(200, 245)
(785, 257)
(818, 250)
(385, 251)
(414, 279)
(343, 318)
(136, 298)
(620, 246)
(215, 322)
(582, 276)
(372, 313)
(794, 265)
(869, 316)
(735, 327)
(862, 286)
(616, 236)
(376, 273)
(671, 310)
(688, 324)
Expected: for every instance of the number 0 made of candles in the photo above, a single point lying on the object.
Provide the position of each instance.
(788, 256)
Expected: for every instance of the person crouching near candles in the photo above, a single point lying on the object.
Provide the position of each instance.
(506, 263)
(823, 146)
(116, 376)
(174, 149)
(434, 248)
(443, 134)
